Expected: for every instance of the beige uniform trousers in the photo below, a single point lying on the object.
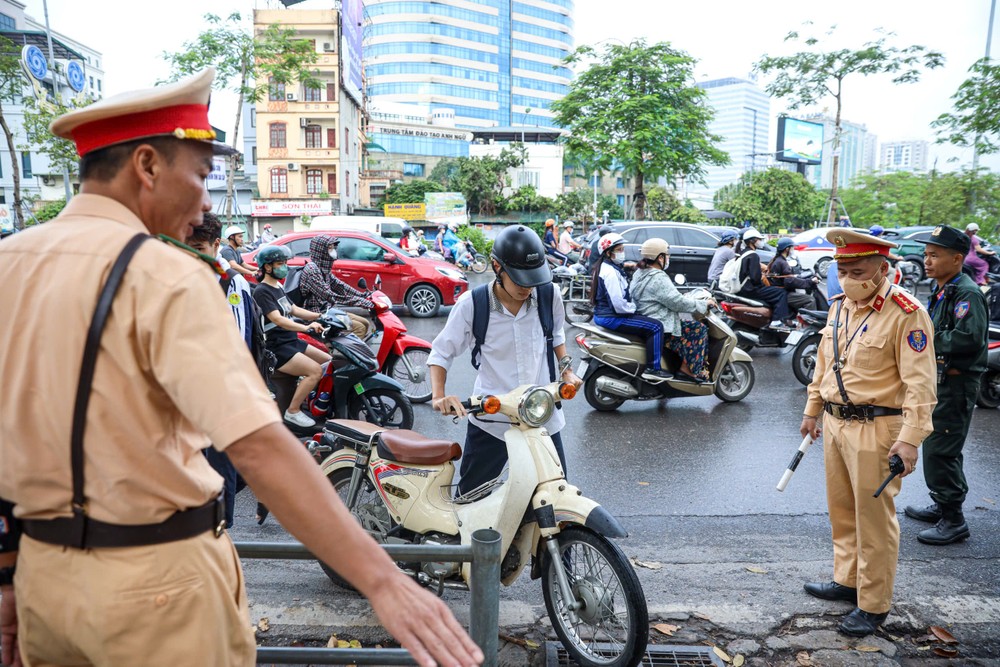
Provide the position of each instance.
(180, 603)
(865, 529)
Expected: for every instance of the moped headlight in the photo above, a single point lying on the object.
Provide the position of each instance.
(536, 407)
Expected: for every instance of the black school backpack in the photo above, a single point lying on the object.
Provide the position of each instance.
(481, 322)
(293, 286)
(263, 357)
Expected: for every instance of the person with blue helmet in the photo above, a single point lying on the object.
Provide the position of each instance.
(294, 357)
(780, 273)
(724, 252)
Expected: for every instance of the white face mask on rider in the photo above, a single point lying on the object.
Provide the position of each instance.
(618, 257)
(333, 253)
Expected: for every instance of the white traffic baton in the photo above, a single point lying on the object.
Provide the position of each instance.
(806, 442)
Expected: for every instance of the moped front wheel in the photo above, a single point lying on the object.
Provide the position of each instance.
(410, 370)
(369, 509)
(609, 625)
(804, 358)
(385, 407)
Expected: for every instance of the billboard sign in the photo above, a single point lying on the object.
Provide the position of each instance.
(799, 141)
(217, 178)
(351, 16)
(406, 211)
(446, 207)
(263, 208)
(6, 219)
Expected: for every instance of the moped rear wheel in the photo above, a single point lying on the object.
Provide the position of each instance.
(804, 358)
(735, 381)
(579, 311)
(479, 263)
(369, 510)
(989, 390)
(416, 387)
(599, 400)
(385, 407)
(610, 627)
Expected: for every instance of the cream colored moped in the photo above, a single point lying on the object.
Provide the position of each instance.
(399, 485)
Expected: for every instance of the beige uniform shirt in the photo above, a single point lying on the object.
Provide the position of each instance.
(890, 361)
(172, 373)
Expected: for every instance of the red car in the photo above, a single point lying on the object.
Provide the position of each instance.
(423, 285)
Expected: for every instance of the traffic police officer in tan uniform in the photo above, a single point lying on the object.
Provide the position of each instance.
(874, 381)
(961, 325)
(123, 559)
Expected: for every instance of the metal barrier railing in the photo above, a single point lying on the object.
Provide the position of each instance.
(484, 585)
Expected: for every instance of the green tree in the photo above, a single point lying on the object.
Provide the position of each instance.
(527, 199)
(445, 172)
(410, 193)
(575, 205)
(975, 120)
(50, 210)
(38, 115)
(772, 199)
(636, 110)
(610, 204)
(809, 76)
(482, 179)
(663, 204)
(245, 65)
(11, 86)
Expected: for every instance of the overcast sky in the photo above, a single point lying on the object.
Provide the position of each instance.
(726, 36)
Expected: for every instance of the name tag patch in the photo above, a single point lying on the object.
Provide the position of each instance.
(917, 340)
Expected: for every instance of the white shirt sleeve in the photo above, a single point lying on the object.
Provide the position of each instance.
(558, 319)
(616, 290)
(456, 337)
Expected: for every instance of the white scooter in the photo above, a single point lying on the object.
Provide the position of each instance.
(399, 485)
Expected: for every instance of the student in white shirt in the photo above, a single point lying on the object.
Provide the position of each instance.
(513, 352)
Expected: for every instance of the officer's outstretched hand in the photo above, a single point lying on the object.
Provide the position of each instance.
(423, 624)
(908, 453)
(10, 655)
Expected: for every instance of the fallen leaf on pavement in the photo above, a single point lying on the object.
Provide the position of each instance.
(531, 644)
(332, 642)
(722, 654)
(355, 643)
(867, 649)
(990, 501)
(803, 659)
(666, 628)
(923, 648)
(738, 661)
(943, 635)
(263, 624)
(700, 615)
(649, 565)
(945, 651)
(756, 570)
(343, 644)
(643, 483)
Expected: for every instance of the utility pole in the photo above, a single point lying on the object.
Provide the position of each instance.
(975, 152)
(52, 68)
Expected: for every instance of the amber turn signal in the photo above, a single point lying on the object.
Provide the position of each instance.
(567, 391)
(490, 405)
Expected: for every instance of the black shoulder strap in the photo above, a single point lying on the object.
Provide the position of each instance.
(836, 356)
(101, 312)
(480, 320)
(548, 324)
(228, 280)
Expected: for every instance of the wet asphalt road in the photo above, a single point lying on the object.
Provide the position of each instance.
(693, 480)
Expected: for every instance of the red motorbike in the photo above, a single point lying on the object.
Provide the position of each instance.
(400, 356)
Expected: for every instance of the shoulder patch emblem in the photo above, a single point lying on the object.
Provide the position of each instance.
(961, 309)
(4, 529)
(904, 302)
(234, 299)
(917, 340)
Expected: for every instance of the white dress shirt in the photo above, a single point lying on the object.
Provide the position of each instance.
(512, 354)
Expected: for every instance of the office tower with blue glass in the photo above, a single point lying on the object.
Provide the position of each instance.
(460, 65)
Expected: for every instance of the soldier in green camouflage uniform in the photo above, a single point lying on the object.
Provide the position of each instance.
(958, 310)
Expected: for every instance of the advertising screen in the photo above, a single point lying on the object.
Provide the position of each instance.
(351, 31)
(799, 141)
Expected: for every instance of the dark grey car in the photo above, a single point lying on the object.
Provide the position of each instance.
(691, 248)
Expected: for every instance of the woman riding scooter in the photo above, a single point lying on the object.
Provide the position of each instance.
(780, 273)
(613, 306)
(294, 357)
(656, 296)
(752, 279)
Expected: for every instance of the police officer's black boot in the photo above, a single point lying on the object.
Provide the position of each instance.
(930, 514)
(951, 528)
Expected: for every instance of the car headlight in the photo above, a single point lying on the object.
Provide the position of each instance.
(536, 406)
(454, 274)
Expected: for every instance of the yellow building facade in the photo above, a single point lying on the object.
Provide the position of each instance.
(308, 140)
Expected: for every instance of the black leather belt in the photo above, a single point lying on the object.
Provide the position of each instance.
(83, 532)
(865, 413)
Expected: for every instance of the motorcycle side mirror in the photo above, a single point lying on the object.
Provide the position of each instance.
(680, 279)
(362, 283)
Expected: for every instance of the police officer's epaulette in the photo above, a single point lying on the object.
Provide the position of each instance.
(208, 259)
(906, 303)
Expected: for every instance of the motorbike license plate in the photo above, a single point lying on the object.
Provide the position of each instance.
(581, 370)
(793, 338)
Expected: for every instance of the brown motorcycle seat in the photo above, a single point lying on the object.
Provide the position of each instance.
(410, 447)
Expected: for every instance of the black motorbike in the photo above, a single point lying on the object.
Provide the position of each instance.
(806, 340)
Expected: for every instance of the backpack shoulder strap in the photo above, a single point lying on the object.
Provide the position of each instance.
(227, 281)
(548, 324)
(480, 320)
